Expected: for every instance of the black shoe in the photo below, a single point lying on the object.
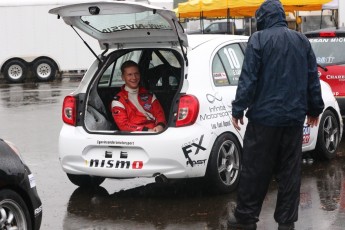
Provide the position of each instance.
(290, 226)
(233, 224)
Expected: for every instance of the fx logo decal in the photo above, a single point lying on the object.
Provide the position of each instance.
(188, 149)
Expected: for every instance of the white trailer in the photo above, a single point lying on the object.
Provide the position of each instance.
(34, 41)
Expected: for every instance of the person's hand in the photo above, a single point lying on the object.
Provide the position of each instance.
(235, 122)
(158, 128)
(312, 121)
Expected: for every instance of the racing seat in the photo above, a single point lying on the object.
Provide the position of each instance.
(163, 81)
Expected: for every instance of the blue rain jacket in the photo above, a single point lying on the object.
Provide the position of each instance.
(279, 81)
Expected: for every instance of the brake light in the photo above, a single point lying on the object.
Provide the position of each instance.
(188, 110)
(69, 110)
(327, 34)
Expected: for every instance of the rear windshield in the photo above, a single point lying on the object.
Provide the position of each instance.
(329, 51)
(130, 21)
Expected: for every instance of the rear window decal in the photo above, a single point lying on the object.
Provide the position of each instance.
(325, 60)
(134, 26)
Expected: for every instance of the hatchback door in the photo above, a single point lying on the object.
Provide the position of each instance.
(121, 24)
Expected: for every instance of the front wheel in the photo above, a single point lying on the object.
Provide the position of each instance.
(328, 137)
(14, 213)
(223, 168)
(85, 180)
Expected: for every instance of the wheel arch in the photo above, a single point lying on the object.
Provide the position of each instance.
(49, 58)
(217, 138)
(28, 64)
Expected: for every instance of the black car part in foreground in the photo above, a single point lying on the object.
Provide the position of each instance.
(20, 205)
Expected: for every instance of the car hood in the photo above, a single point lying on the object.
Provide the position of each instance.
(117, 24)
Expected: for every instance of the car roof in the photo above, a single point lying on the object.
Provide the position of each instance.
(195, 40)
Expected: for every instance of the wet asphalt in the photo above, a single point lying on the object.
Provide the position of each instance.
(30, 117)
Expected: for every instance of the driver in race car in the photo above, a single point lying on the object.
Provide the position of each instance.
(134, 108)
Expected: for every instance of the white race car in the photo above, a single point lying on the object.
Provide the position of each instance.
(194, 79)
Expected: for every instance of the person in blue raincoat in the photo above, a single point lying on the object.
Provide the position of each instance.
(279, 85)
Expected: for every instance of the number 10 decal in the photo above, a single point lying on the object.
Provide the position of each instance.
(232, 58)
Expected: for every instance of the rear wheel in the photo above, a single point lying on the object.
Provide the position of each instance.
(328, 137)
(44, 69)
(14, 213)
(224, 164)
(15, 71)
(85, 180)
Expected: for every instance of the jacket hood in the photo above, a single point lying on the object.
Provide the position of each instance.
(271, 13)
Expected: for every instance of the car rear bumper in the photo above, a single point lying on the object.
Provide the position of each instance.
(175, 153)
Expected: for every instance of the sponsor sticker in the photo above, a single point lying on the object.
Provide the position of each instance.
(219, 76)
(32, 180)
(38, 210)
(193, 147)
(306, 134)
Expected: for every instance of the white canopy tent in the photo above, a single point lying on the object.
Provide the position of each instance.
(338, 5)
(333, 5)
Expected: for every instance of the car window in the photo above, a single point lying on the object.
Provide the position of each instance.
(328, 50)
(227, 65)
(214, 27)
(218, 72)
(171, 59)
(168, 56)
(112, 75)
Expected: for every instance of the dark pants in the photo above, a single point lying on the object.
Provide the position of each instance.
(269, 151)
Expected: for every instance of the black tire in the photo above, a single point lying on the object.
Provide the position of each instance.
(328, 137)
(44, 69)
(223, 168)
(85, 180)
(12, 204)
(15, 71)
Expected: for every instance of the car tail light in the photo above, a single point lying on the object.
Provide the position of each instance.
(327, 34)
(188, 110)
(69, 110)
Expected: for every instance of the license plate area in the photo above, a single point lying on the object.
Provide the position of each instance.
(114, 157)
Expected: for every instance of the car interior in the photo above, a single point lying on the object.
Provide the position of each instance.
(160, 71)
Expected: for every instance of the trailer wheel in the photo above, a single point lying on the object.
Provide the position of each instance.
(44, 69)
(15, 71)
